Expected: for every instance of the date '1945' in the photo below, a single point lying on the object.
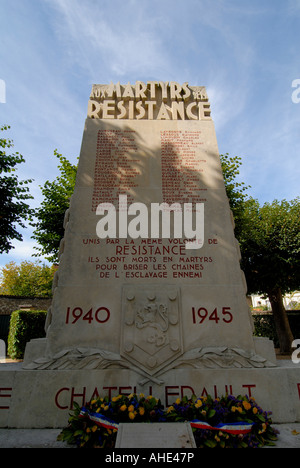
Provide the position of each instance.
(202, 314)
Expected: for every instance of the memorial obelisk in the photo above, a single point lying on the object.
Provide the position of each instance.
(149, 273)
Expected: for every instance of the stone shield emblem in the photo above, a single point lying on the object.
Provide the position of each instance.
(151, 322)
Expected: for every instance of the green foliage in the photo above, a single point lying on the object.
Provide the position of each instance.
(264, 325)
(235, 190)
(270, 245)
(269, 238)
(86, 430)
(49, 228)
(24, 326)
(13, 194)
(269, 235)
(27, 279)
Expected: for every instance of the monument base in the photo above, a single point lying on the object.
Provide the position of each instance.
(44, 398)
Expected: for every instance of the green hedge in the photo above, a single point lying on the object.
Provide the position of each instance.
(265, 326)
(24, 326)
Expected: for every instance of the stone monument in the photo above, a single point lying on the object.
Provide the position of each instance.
(131, 287)
(149, 295)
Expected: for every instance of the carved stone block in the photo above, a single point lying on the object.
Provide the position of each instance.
(151, 335)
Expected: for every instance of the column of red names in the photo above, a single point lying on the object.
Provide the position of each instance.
(117, 166)
(182, 167)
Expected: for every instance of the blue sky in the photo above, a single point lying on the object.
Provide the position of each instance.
(246, 52)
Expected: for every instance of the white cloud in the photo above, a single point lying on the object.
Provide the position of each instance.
(23, 250)
(99, 38)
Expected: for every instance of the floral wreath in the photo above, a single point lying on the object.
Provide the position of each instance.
(233, 422)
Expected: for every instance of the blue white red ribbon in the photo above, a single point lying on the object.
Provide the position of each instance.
(98, 419)
(235, 428)
(232, 428)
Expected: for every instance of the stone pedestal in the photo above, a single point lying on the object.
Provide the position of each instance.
(40, 399)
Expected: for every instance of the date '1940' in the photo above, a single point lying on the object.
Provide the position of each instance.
(202, 313)
(101, 315)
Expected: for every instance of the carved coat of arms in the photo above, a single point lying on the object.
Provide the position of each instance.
(151, 336)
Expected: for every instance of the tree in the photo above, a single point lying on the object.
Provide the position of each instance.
(50, 215)
(13, 194)
(269, 238)
(270, 247)
(236, 191)
(28, 279)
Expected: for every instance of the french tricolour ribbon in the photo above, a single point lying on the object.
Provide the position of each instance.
(232, 428)
(98, 419)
